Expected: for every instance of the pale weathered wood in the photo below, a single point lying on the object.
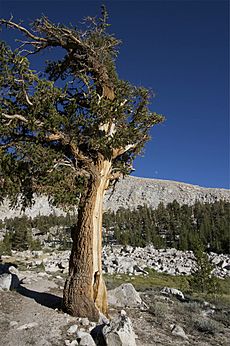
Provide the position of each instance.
(85, 290)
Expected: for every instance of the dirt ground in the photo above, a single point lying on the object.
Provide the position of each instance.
(39, 301)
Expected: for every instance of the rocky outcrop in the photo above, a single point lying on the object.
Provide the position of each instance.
(131, 192)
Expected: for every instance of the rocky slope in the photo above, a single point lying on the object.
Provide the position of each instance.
(118, 259)
(131, 192)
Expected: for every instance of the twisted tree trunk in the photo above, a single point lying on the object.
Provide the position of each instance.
(85, 290)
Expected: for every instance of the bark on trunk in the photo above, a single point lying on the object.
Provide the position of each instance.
(85, 291)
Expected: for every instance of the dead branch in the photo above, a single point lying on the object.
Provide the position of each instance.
(15, 116)
(24, 90)
(22, 29)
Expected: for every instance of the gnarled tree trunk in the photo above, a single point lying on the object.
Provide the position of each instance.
(85, 291)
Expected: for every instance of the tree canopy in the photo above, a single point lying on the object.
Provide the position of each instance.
(57, 123)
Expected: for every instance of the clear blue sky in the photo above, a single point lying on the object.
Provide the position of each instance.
(180, 50)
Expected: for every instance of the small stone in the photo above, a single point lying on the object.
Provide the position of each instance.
(5, 281)
(92, 325)
(13, 270)
(73, 329)
(73, 343)
(13, 324)
(28, 326)
(85, 321)
(8, 281)
(59, 277)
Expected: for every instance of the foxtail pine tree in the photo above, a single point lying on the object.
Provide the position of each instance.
(69, 132)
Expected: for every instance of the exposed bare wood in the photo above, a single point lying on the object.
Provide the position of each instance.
(55, 137)
(15, 116)
(120, 151)
(63, 163)
(24, 90)
(99, 288)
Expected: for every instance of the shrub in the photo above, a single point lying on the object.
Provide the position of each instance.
(206, 325)
(35, 245)
(159, 310)
(186, 309)
(222, 317)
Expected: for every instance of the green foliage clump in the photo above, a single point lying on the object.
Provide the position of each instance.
(5, 245)
(202, 279)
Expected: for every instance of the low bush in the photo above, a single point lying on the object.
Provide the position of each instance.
(159, 310)
(206, 325)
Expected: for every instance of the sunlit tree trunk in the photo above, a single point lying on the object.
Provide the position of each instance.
(85, 290)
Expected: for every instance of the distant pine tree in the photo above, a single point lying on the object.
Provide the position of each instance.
(202, 279)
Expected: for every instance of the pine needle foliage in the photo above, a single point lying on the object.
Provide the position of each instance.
(57, 123)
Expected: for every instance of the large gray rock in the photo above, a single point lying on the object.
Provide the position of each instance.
(178, 331)
(85, 339)
(124, 296)
(119, 332)
(173, 291)
(5, 281)
(8, 281)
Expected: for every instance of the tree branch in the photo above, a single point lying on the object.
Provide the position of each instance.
(115, 175)
(15, 116)
(22, 29)
(88, 53)
(120, 151)
(24, 90)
